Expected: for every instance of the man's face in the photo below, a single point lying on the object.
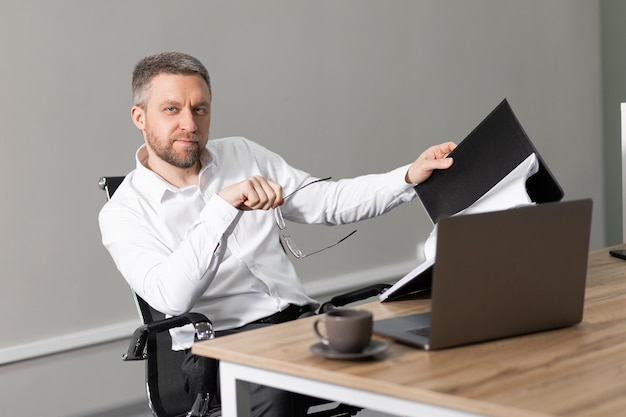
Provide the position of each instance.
(176, 119)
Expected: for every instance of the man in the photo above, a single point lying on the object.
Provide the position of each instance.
(194, 226)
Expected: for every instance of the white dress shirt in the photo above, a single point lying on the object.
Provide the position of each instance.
(188, 249)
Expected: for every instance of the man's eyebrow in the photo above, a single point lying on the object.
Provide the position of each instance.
(203, 103)
(173, 102)
(170, 102)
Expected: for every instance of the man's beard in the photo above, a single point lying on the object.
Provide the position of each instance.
(166, 151)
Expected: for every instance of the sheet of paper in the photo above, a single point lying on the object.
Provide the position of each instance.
(510, 192)
(414, 274)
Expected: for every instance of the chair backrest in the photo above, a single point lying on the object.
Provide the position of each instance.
(165, 382)
(109, 185)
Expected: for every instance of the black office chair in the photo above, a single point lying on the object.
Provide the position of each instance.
(165, 382)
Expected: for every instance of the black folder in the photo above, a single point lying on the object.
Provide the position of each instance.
(487, 155)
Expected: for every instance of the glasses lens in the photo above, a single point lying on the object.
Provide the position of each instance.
(292, 247)
(278, 216)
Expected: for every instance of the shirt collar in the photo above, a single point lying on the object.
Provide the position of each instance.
(151, 183)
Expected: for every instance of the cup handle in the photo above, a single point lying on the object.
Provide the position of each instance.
(318, 333)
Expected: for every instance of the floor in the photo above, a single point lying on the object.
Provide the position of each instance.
(142, 410)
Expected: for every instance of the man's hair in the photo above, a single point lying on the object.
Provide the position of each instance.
(163, 63)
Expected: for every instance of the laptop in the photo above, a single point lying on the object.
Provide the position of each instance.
(502, 274)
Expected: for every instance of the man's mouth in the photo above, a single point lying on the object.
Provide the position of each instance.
(186, 140)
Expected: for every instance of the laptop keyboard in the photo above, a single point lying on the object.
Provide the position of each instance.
(422, 331)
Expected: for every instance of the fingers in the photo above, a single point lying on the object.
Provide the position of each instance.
(255, 193)
(435, 157)
(261, 194)
(433, 164)
(438, 152)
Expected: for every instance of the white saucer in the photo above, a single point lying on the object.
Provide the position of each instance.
(375, 347)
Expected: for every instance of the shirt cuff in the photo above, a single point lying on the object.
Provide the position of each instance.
(398, 179)
(220, 214)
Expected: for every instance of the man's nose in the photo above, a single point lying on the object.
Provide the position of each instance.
(187, 121)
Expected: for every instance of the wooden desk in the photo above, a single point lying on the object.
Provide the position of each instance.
(575, 372)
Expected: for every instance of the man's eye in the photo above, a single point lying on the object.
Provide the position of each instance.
(202, 111)
(170, 109)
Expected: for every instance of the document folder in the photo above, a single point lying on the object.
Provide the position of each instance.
(492, 151)
(487, 155)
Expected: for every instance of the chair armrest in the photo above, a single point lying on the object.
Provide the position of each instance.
(353, 296)
(136, 349)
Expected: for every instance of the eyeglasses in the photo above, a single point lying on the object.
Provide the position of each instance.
(288, 239)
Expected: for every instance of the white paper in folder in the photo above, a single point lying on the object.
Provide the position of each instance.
(508, 193)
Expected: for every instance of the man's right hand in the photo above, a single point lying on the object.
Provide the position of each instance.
(255, 193)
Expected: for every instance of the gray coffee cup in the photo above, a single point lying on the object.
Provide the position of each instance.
(346, 331)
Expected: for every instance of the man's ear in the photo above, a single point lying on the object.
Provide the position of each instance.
(138, 115)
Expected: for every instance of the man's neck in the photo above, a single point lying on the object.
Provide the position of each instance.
(178, 177)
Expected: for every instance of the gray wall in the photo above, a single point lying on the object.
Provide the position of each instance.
(339, 88)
